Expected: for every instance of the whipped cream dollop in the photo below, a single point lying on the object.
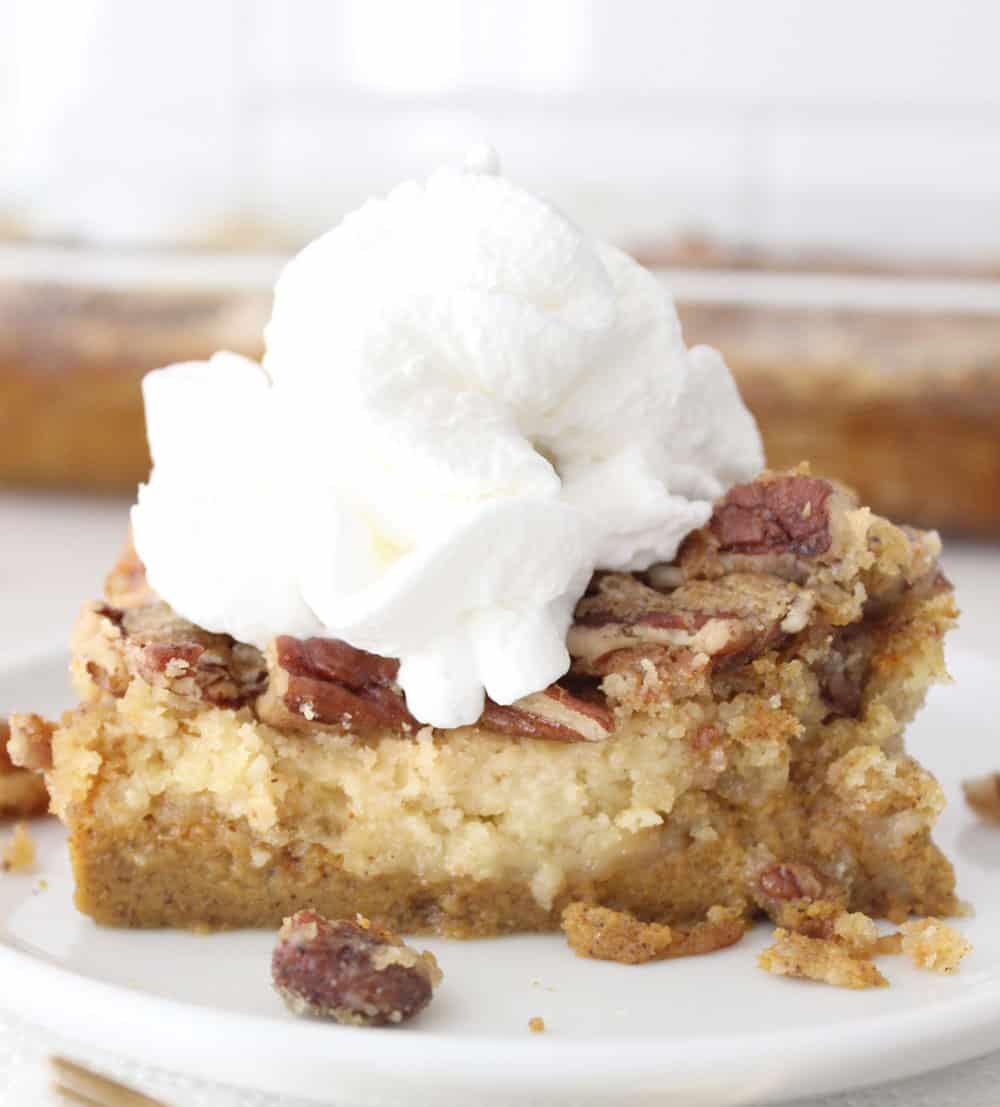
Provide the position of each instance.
(466, 406)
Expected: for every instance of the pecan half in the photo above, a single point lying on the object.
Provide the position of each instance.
(322, 683)
(784, 515)
(554, 713)
(351, 971)
(780, 523)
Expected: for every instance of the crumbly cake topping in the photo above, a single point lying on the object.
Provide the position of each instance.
(150, 641)
(785, 563)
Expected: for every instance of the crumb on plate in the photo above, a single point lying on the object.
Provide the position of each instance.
(19, 853)
(608, 935)
(823, 959)
(932, 944)
(982, 794)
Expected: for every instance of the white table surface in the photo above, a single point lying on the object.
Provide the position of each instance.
(54, 553)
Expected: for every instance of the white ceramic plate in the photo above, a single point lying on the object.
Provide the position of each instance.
(706, 1031)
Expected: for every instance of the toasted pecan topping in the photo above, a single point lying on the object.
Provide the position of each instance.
(784, 515)
(554, 713)
(727, 621)
(169, 652)
(323, 683)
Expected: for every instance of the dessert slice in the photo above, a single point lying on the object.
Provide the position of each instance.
(729, 736)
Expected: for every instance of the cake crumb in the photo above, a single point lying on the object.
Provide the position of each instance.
(608, 935)
(857, 932)
(827, 961)
(933, 945)
(19, 853)
(536, 1024)
(982, 794)
(890, 944)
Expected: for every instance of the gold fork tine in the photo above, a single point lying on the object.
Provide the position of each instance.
(79, 1085)
(65, 1095)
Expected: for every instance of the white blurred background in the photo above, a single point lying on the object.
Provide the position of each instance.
(869, 125)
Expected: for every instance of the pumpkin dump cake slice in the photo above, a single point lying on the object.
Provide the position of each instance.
(729, 736)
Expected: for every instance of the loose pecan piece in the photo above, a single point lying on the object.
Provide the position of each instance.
(350, 971)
